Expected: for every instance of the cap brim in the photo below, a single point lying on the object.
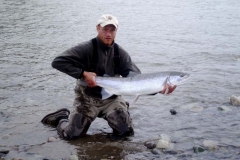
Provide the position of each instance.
(105, 24)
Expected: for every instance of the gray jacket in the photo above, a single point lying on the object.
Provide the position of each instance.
(76, 60)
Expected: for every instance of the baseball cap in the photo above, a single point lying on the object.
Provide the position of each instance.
(107, 19)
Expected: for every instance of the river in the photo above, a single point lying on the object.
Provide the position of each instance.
(200, 37)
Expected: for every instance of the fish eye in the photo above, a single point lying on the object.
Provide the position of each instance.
(182, 75)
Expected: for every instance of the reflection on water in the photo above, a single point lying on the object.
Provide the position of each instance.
(198, 37)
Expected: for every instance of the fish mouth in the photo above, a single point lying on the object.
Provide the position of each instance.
(183, 79)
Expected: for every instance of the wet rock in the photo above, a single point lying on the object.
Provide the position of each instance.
(198, 149)
(4, 151)
(224, 108)
(73, 157)
(164, 141)
(210, 145)
(173, 112)
(52, 139)
(150, 145)
(234, 100)
(156, 151)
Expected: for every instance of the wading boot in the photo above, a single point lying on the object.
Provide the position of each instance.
(54, 118)
(60, 128)
(76, 127)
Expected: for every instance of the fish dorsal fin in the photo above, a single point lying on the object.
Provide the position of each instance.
(136, 98)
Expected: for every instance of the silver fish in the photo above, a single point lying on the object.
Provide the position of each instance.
(141, 84)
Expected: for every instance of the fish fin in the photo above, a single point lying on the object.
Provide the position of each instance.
(166, 91)
(166, 82)
(105, 94)
(135, 99)
(153, 94)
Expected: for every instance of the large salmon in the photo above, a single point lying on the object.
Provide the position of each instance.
(141, 84)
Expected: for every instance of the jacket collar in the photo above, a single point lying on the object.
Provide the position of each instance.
(103, 46)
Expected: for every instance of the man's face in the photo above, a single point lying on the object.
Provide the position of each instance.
(107, 34)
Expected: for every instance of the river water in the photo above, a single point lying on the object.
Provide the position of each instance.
(200, 37)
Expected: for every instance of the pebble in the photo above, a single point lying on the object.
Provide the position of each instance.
(52, 139)
(150, 145)
(164, 141)
(156, 151)
(173, 112)
(198, 149)
(4, 151)
(234, 100)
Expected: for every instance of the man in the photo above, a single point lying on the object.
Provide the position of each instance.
(97, 57)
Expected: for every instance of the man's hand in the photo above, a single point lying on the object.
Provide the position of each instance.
(89, 78)
(168, 89)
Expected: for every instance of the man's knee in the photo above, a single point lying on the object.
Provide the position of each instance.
(120, 122)
(77, 126)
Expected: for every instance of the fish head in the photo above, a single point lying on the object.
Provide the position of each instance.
(177, 78)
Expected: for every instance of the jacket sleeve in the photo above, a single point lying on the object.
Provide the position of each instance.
(73, 61)
(127, 66)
